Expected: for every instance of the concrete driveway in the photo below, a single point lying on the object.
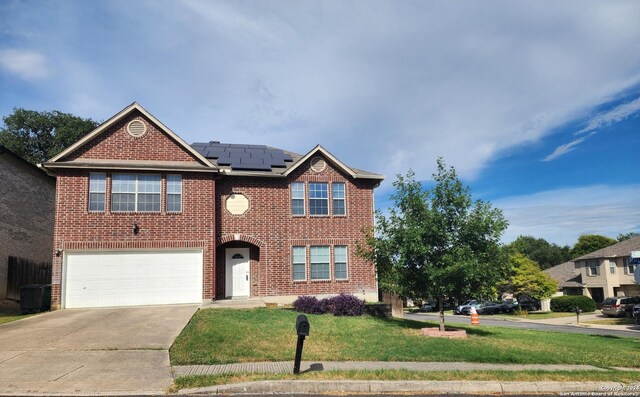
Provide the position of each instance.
(113, 350)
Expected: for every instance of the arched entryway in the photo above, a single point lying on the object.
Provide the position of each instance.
(237, 267)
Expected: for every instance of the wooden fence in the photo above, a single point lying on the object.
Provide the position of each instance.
(23, 272)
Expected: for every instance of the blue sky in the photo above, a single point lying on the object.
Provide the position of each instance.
(536, 104)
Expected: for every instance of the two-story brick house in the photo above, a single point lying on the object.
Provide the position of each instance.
(142, 217)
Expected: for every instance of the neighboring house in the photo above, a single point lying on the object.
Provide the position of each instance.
(26, 212)
(600, 274)
(142, 217)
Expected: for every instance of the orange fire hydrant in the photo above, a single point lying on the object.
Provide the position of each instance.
(475, 319)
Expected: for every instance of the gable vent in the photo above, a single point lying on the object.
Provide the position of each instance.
(318, 164)
(136, 128)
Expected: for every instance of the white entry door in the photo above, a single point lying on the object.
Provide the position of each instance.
(237, 272)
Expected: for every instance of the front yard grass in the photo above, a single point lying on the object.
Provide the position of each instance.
(216, 336)
(536, 315)
(393, 375)
(10, 311)
(611, 321)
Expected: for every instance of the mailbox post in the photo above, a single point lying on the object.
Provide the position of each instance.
(302, 329)
(578, 311)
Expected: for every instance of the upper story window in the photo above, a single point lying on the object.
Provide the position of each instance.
(174, 193)
(97, 191)
(337, 192)
(318, 198)
(135, 193)
(592, 267)
(629, 268)
(612, 266)
(297, 198)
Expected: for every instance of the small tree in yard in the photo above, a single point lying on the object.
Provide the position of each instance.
(437, 241)
(527, 279)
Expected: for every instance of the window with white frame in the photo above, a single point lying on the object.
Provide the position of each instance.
(174, 193)
(592, 267)
(299, 263)
(97, 191)
(340, 262)
(135, 193)
(337, 193)
(297, 198)
(612, 266)
(318, 198)
(320, 263)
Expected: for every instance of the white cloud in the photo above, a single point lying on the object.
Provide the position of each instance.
(564, 149)
(28, 65)
(386, 86)
(600, 120)
(560, 216)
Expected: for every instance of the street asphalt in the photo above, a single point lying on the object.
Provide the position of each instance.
(564, 324)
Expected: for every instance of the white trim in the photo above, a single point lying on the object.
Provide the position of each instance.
(114, 119)
(323, 151)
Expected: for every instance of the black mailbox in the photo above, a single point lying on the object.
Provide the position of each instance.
(302, 325)
(577, 310)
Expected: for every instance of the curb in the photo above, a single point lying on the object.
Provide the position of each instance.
(446, 387)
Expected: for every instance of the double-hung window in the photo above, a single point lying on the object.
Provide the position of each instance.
(629, 268)
(320, 263)
(174, 193)
(592, 268)
(97, 191)
(135, 193)
(612, 266)
(299, 263)
(340, 262)
(337, 192)
(297, 198)
(318, 198)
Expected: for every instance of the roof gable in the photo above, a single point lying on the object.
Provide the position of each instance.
(335, 162)
(166, 145)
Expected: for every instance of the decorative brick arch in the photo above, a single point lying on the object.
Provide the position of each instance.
(239, 237)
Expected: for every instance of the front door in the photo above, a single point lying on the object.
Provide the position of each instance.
(237, 272)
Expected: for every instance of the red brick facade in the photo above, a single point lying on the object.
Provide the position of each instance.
(268, 227)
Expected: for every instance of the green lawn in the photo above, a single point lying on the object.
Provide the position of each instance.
(611, 321)
(10, 311)
(253, 335)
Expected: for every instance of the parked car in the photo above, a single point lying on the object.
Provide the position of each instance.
(636, 313)
(529, 306)
(620, 306)
(429, 307)
(465, 308)
(495, 307)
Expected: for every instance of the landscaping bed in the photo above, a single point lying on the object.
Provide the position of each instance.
(264, 334)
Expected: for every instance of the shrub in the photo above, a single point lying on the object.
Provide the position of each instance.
(345, 305)
(307, 304)
(340, 305)
(568, 303)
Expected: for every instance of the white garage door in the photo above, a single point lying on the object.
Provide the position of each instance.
(132, 278)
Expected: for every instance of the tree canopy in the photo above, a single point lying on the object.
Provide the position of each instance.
(38, 136)
(526, 278)
(590, 242)
(541, 251)
(437, 242)
(627, 236)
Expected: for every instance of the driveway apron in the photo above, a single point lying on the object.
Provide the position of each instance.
(111, 350)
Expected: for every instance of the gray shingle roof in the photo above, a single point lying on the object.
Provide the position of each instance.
(620, 249)
(565, 274)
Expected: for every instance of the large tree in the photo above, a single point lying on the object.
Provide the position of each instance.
(627, 236)
(526, 278)
(437, 242)
(541, 251)
(38, 136)
(590, 242)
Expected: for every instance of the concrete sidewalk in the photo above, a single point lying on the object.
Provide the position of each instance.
(429, 387)
(309, 366)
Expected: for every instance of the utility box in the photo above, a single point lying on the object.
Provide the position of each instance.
(35, 298)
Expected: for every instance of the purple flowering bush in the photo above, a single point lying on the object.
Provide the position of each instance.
(340, 305)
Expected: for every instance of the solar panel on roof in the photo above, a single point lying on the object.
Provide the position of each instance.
(243, 157)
